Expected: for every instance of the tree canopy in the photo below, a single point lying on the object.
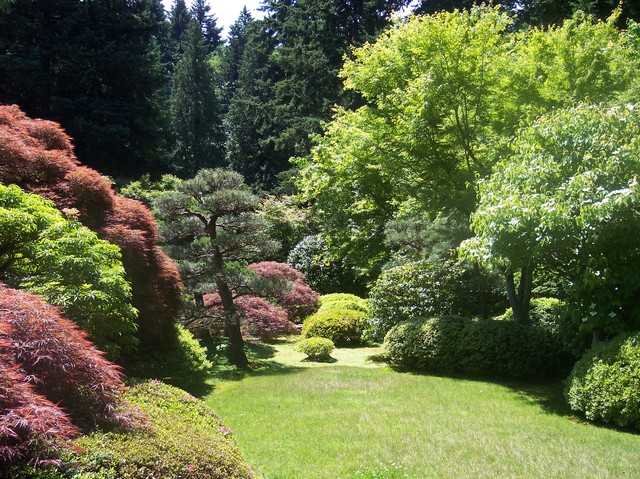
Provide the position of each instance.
(446, 94)
(68, 265)
(567, 201)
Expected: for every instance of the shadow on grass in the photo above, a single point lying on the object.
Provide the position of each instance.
(546, 394)
(260, 362)
(328, 360)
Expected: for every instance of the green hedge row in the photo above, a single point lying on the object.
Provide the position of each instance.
(495, 348)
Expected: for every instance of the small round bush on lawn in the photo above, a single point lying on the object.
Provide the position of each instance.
(342, 326)
(344, 300)
(316, 348)
(605, 384)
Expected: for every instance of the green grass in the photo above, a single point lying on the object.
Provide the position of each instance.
(295, 419)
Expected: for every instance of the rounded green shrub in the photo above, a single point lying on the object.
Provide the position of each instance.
(316, 348)
(183, 363)
(426, 289)
(428, 344)
(344, 300)
(507, 349)
(494, 348)
(342, 326)
(605, 383)
(552, 314)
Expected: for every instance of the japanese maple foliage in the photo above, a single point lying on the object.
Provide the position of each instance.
(59, 361)
(38, 156)
(300, 300)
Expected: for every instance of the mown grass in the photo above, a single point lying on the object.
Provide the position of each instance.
(297, 420)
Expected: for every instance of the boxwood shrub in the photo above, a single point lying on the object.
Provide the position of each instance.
(316, 348)
(605, 383)
(344, 300)
(493, 348)
(342, 326)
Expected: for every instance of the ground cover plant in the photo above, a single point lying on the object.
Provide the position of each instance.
(185, 439)
(367, 418)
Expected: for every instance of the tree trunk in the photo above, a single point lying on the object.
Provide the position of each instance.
(235, 347)
(519, 300)
(199, 299)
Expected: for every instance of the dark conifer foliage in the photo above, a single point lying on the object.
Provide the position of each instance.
(196, 122)
(210, 30)
(95, 68)
(287, 79)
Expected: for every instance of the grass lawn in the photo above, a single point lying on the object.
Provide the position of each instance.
(301, 420)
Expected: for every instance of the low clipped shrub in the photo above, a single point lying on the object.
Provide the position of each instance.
(343, 300)
(492, 348)
(604, 385)
(507, 349)
(186, 440)
(316, 349)
(342, 326)
(429, 344)
(425, 289)
(552, 314)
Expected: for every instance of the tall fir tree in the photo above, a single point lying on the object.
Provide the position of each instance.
(290, 63)
(94, 67)
(196, 123)
(231, 57)
(210, 30)
(180, 18)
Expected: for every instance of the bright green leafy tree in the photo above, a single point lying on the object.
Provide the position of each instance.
(446, 94)
(568, 202)
(68, 265)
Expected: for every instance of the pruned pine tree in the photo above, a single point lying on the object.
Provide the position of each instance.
(210, 225)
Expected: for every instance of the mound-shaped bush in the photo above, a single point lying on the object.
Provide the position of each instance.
(185, 440)
(298, 300)
(425, 289)
(605, 383)
(184, 364)
(492, 348)
(342, 326)
(316, 349)
(343, 300)
(552, 315)
(427, 344)
(38, 156)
